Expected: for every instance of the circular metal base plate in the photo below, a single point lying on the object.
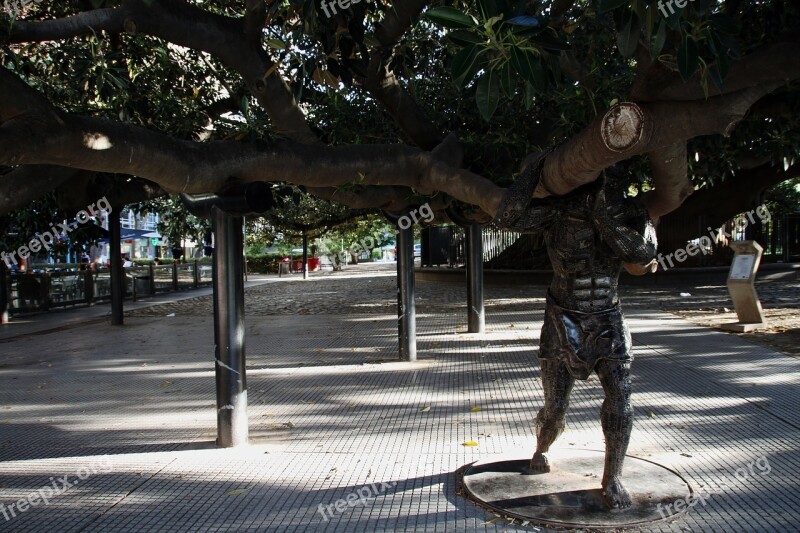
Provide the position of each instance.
(569, 495)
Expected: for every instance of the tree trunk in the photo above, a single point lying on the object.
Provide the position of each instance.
(713, 206)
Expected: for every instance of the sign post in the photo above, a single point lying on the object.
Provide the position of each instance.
(741, 285)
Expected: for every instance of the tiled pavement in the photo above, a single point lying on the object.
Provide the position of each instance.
(331, 413)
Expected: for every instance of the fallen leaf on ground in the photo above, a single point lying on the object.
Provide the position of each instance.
(470, 443)
(475, 409)
(237, 492)
(426, 409)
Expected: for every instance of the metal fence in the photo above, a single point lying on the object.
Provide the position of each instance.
(33, 292)
(447, 245)
(779, 236)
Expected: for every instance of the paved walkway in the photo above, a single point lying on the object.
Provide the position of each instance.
(128, 414)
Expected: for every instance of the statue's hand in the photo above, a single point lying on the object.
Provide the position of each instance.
(640, 270)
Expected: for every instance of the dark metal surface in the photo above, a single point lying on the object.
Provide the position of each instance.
(5, 292)
(253, 197)
(232, 425)
(406, 310)
(570, 496)
(589, 233)
(117, 272)
(476, 322)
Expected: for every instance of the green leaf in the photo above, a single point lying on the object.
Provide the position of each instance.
(465, 37)
(529, 66)
(640, 8)
(450, 17)
(465, 64)
(716, 77)
(545, 40)
(530, 92)
(610, 5)
(488, 94)
(722, 65)
(628, 37)
(673, 19)
(658, 40)
(276, 44)
(507, 80)
(688, 58)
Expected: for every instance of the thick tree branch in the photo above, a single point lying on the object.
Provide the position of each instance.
(560, 8)
(397, 21)
(773, 63)
(120, 191)
(111, 20)
(386, 88)
(395, 199)
(182, 166)
(743, 191)
(254, 19)
(630, 129)
(25, 184)
(672, 185)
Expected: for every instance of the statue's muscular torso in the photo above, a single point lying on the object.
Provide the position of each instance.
(585, 269)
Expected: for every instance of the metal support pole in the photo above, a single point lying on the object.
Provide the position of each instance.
(5, 292)
(406, 310)
(476, 318)
(305, 254)
(117, 273)
(232, 426)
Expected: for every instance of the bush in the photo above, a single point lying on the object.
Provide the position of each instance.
(264, 264)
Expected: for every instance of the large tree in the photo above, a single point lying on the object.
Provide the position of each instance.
(382, 105)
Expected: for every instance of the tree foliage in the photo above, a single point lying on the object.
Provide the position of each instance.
(385, 105)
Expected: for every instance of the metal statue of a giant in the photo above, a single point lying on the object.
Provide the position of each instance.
(590, 233)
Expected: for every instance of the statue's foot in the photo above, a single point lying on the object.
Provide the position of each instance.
(539, 463)
(615, 495)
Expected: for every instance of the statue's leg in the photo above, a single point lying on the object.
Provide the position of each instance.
(557, 383)
(616, 417)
